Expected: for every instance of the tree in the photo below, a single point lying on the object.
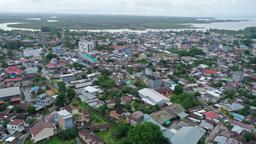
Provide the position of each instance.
(70, 95)
(62, 87)
(103, 109)
(31, 110)
(121, 130)
(146, 133)
(178, 90)
(249, 136)
(50, 56)
(68, 134)
(245, 111)
(185, 99)
(60, 100)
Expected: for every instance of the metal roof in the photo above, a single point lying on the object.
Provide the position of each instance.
(9, 92)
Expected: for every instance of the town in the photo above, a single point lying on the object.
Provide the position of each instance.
(187, 87)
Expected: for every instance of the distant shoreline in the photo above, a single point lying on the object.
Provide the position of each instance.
(201, 25)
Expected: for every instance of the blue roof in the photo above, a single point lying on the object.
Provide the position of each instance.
(35, 88)
(238, 116)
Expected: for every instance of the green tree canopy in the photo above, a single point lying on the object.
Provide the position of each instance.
(178, 89)
(146, 133)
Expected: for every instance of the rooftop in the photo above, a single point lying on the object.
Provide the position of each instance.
(8, 92)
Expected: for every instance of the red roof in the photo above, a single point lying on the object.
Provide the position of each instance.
(16, 122)
(39, 126)
(14, 70)
(210, 72)
(2, 102)
(13, 80)
(211, 115)
(118, 47)
(16, 99)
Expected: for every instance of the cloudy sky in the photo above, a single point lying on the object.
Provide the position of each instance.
(215, 8)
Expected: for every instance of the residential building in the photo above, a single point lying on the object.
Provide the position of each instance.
(86, 45)
(42, 130)
(89, 138)
(16, 125)
(65, 119)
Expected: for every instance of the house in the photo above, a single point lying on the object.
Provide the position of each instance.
(136, 118)
(188, 135)
(111, 103)
(230, 107)
(32, 52)
(211, 117)
(241, 126)
(238, 116)
(68, 77)
(126, 100)
(42, 130)
(154, 82)
(44, 100)
(65, 119)
(163, 117)
(91, 100)
(89, 138)
(16, 125)
(165, 91)
(116, 113)
(9, 93)
(152, 97)
(92, 89)
(176, 109)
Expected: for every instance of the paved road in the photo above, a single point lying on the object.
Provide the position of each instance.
(214, 132)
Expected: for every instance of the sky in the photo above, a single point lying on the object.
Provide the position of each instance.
(185, 8)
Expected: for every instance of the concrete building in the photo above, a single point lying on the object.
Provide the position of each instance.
(86, 46)
(32, 52)
(65, 119)
(16, 125)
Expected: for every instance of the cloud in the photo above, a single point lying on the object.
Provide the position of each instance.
(135, 7)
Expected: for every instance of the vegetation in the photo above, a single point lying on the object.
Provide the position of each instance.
(65, 96)
(101, 22)
(105, 81)
(185, 99)
(31, 110)
(249, 136)
(146, 133)
(178, 90)
(68, 134)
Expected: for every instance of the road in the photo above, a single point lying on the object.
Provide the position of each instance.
(214, 132)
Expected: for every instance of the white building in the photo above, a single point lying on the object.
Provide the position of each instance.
(32, 52)
(86, 46)
(152, 97)
(16, 126)
(65, 119)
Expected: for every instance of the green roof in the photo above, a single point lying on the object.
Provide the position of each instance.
(90, 58)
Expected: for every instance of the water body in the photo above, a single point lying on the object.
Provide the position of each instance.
(7, 27)
(237, 25)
